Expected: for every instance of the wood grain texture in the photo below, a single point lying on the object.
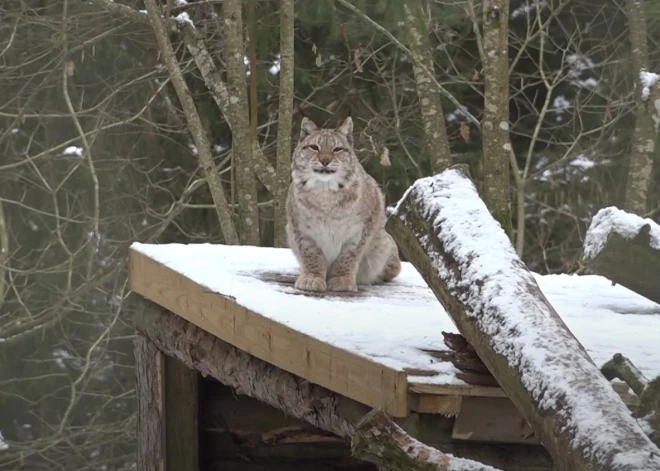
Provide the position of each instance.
(149, 368)
(340, 371)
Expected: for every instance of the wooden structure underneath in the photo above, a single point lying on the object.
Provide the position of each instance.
(200, 355)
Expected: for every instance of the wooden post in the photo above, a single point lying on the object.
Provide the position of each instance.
(149, 368)
(168, 411)
(182, 416)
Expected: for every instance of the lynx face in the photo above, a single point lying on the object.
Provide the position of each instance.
(324, 154)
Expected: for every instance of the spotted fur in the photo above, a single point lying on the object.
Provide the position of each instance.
(336, 217)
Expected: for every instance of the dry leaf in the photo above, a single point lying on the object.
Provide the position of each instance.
(319, 61)
(356, 60)
(464, 129)
(385, 158)
(70, 67)
(475, 76)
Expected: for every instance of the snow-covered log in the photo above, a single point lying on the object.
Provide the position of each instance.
(626, 249)
(446, 231)
(379, 440)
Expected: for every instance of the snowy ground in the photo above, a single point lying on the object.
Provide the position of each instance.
(392, 323)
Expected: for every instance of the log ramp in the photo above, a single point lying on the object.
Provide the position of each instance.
(215, 348)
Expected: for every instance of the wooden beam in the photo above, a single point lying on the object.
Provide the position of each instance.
(448, 406)
(456, 390)
(181, 416)
(340, 371)
(149, 369)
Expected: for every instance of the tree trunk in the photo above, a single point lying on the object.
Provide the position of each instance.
(194, 124)
(430, 103)
(244, 167)
(495, 123)
(447, 233)
(642, 153)
(284, 118)
(632, 261)
(379, 440)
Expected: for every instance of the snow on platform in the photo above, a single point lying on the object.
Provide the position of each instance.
(393, 324)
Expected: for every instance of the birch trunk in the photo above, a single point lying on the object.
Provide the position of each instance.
(435, 132)
(238, 107)
(495, 123)
(284, 120)
(642, 152)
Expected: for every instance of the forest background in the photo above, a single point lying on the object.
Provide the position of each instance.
(115, 129)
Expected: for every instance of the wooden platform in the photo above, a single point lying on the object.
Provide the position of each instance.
(376, 346)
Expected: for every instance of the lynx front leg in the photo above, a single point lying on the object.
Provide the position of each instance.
(312, 276)
(343, 271)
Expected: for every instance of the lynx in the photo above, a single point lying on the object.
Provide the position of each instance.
(335, 215)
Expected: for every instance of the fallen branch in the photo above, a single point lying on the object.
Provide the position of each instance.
(379, 440)
(622, 368)
(444, 228)
(625, 248)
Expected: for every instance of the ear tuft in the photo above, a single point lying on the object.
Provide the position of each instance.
(307, 127)
(346, 128)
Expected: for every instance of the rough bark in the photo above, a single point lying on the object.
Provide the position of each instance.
(449, 254)
(495, 124)
(379, 440)
(296, 397)
(194, 124)
(632, 263)
(244, 166)
(642, 152)
(430, 102)
(149, 369)
(284, 120)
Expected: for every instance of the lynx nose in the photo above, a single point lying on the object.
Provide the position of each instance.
(325, 159)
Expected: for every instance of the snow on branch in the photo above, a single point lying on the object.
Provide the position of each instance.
(446, 231)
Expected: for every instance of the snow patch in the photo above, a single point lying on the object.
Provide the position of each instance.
(613, 219)
(73, 150)
(184, 18)
(648, 79)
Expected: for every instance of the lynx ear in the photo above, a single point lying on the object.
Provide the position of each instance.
(346, 128)
(307, 127)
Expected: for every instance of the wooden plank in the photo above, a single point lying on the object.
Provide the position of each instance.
(456, 390)
(149, 370)
(340, 371)
(448, 406)
(181, 416)
(492, 420)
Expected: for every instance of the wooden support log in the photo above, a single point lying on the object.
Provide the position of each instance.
(294, 396)
(149, 369)
(625, 248)
(379, 440)
(445, 230)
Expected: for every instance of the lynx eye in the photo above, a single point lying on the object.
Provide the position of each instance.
(314, 147)
(338, 149)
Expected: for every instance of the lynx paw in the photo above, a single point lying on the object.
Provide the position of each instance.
(342, 283)
(307, 282)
